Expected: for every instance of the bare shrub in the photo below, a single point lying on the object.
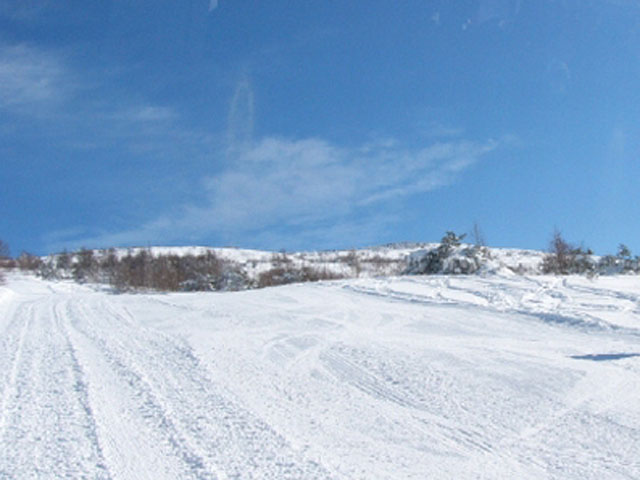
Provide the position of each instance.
(276, 276)
(352, 260)
(170, 273)
(85, 267)
(379, 265)
(285, 275)
(63, 261)
(199, 273)
(560, 255)
(564, 258)
(166, 273)
(281, 259)
(379, 260)
(48, 270)
(232, 277)
(311, 274)
(629, 264)
(8, 263)
(28, 262)
(132, 271)
(477, 235)
(108, 266)
(622, 262)
(624, 252)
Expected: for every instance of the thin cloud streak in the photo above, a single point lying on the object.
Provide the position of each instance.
(38, 85)
(240, 121)
(268, 185)
(29, 79)
(300, 184)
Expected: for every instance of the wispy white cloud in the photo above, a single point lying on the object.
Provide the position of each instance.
(299, 186)
(240, 121)
(283, 181)
(29, 78)
(306, 186)
(81, 113)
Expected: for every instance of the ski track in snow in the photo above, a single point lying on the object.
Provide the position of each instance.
(47, 428)
(407, 378)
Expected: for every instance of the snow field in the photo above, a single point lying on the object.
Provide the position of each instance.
(407, 378)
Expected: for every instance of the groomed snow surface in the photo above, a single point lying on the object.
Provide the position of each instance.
(497, 377)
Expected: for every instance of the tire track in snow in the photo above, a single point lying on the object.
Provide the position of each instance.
(47, 431)
(213, 437)
(424, 418)
(81, 389)
(353, 374)
(150, 409)
(579, 321)
(9, 389)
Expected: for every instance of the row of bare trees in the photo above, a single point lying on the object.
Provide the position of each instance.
(565, 258)
(141, 269)
(25, 262)
(285, 271)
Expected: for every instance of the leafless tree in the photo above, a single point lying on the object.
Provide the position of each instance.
(560, 255)
(352, 260)
(564, 258)
(85, 267)
(28, 262)
(478, 236)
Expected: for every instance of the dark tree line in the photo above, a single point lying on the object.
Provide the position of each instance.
(137, 270)
(565, 258)
(140, 269)
(284, 271)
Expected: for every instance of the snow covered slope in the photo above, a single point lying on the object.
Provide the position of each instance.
(496, 377)
(392, 259)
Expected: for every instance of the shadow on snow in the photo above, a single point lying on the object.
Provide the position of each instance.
(603, 357)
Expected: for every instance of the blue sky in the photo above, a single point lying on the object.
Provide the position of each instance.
(318, 124)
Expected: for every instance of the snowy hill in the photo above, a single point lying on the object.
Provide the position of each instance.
(466, 377)
(382, 260)
(374, 261)
(207, 268)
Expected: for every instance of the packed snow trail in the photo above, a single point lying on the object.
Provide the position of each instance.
(47, 427)
(404, 378)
